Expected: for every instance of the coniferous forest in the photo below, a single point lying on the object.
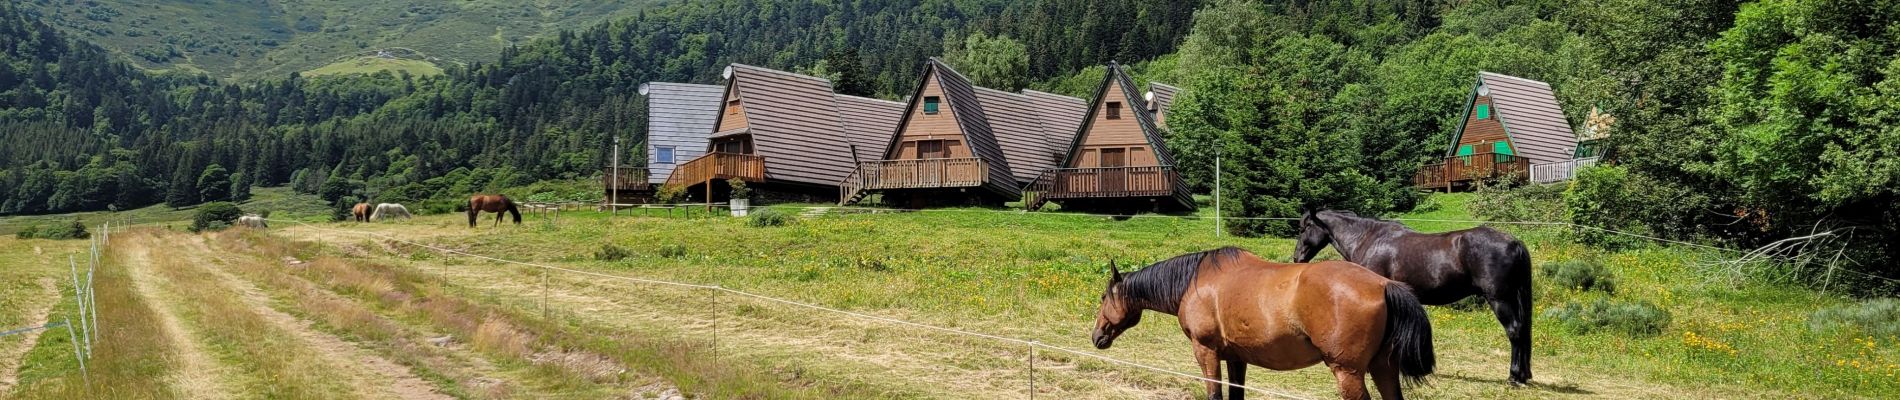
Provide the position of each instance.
(1738, 123)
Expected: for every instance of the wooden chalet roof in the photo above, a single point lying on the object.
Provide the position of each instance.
(1061, 116)
(1532, 120)
(867, 120)
(795, 124)
(1162, 97)
(972, 118)
(679, 115)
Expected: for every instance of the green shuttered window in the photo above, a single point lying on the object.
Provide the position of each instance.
(1484, 111)
(1501, 148)
(930, 104)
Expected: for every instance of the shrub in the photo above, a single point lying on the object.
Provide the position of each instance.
(770, 217)
(1523, 203)
(57, 231)
(1613, 197)
(1879, 318)
(673, 251)
(215, 215)
(669, 194)
(611, 252)
(1580, 275)
(1631, 317)
(739, 191)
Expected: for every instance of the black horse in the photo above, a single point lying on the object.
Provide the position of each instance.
(1441, 268)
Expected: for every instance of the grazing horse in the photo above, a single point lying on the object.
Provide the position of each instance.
(389, 211)
(1241, 309)
(360, 213)
(252, 221)
(1442, 267)
(493, 203)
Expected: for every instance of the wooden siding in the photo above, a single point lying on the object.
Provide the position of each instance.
(1119, 133)
(732, 111)
(1479, 131)
(941, 125)
(681, 116)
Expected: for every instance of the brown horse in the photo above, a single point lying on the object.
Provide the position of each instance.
(360, 213)
(1241, 309)
(493, 203)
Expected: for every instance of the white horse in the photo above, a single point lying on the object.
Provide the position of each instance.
(252, 221)
(389, 211)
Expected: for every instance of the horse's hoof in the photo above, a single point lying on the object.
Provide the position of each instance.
(1519, 384)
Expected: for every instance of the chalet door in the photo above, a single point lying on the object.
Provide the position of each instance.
(1114, 177)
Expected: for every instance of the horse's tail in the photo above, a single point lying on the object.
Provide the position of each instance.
(1408, 333)
(512, 210)
(472, 212)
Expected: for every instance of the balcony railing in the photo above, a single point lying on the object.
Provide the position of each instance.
(1559, 171)
(630, 178)
(1102, 182)
(712, 166)
(1469, 168)
(913, 174)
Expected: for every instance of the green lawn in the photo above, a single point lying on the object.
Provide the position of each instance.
(281, 202)
(1038, 275)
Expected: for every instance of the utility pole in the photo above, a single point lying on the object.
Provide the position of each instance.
(1217, 188)
(613, 201)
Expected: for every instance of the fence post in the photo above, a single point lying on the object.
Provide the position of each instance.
(91, 317)
(1032, 368)
(1217, 190)
(79, 291)
(74, 336)
(544, 293)
(715, 324)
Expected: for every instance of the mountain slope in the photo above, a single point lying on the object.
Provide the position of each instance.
(250, 39)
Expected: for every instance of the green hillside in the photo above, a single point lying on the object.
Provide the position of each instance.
(249, 39)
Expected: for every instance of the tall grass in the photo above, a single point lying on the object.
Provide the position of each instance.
(129, 357)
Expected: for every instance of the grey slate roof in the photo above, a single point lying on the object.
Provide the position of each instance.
(1019, 130)
(795, 125)
(1532, 119)
(1061, 116)
(679, 115)
(869, 121)
(1163, 97)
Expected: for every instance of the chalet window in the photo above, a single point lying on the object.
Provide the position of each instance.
(1501, 148)
(930, 104)
(928, 149)
(732, 107)
(1484, 111)
(663, 155)
(1114, 110)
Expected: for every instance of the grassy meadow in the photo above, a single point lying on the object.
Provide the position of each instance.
(429, 324)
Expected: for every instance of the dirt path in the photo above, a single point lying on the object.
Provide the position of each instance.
(391, 380)
(196, 372)
(10, 355)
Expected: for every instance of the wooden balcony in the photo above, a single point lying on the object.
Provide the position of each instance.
(718, 166)
(1103, 182)
(912, 174)
(1462, 171)
(630, 178)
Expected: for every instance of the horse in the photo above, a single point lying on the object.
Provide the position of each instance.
(389, 211)
(1443, 267)
(252, 221)
(493, 203)
(360, 213)
(1239, 308)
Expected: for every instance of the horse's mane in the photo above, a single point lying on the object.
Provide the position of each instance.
(1355, 218)
(1162, 284)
